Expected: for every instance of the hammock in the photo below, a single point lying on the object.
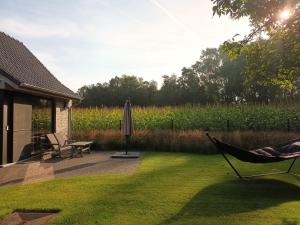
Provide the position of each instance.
(285, 151)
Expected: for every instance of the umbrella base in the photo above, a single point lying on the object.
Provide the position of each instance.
(127, 156)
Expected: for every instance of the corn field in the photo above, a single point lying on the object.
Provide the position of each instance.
(213, 118)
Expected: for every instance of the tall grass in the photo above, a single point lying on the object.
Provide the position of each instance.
(182, 141)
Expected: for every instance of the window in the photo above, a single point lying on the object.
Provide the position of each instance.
(41, 116)
(41, 119)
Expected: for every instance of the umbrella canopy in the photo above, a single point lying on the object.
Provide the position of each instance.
(128, 125)
(127, 132)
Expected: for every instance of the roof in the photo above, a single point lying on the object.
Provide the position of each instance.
(19, 65)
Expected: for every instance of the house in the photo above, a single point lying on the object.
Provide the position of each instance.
(32, 102)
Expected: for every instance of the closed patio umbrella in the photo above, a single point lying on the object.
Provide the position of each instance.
(128, 125)
(127, 131)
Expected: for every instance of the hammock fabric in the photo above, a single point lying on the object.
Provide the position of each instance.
(262, 155)
(286, 151)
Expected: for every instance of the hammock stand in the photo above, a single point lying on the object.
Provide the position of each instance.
(253, 157)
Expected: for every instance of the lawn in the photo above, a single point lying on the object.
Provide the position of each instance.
(168, 188)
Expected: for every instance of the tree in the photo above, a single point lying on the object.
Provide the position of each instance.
(189, 84)
(271, 65)
(207, 68)
(170, 91)
(232, 74)
(264, 15)
(117, 90)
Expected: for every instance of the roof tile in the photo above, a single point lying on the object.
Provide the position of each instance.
(22, 67)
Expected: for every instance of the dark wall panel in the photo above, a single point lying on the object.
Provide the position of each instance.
(4, 144)
(22, 129)
(1, 126)
(27, 117)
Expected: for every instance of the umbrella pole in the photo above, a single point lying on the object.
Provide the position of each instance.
(127, 143)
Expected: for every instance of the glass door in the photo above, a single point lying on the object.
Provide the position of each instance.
(42, 123)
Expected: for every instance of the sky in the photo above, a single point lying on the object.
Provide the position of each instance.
(85, 42)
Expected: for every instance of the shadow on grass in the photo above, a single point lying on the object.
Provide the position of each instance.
(155, 188)
(238, 196)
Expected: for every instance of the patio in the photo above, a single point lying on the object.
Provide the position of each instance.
(94, 163)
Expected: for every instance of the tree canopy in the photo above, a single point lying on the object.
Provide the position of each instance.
(264, 15)
(274, 61)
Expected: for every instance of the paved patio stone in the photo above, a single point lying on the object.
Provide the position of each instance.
(94, 163)
(27, 218)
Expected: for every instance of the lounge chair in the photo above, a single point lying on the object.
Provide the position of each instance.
(58, 144)
(62, 140)
(286, 151)
(77, 147)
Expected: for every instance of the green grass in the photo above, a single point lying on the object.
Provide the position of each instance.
(168, 188)
(241, 117)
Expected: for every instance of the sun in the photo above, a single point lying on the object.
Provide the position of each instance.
(285, 14)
